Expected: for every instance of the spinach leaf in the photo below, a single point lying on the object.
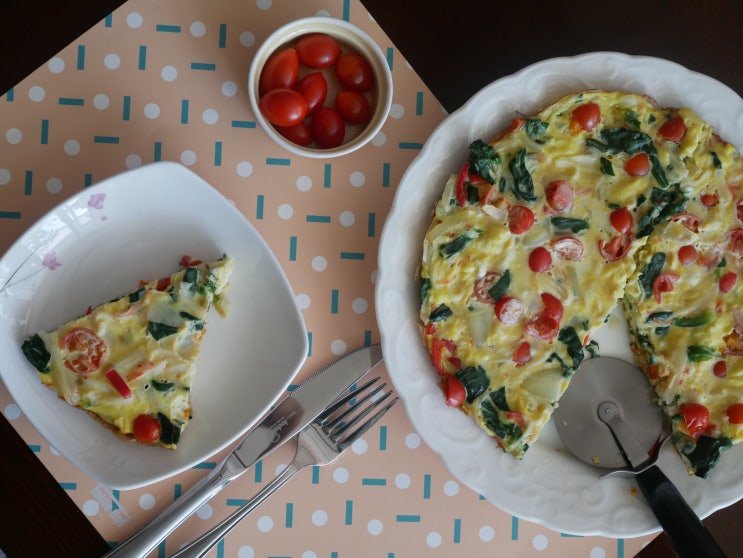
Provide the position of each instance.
(136, 295)
(170, 433)
(441, 312)
(425, 288)
(571, 224)
(650, 272)
(448, 249)
(37, 354)
(475, 381)
(159, 330)
(535, 129)
(695, 321)
(606, 167)
(659, 317)
(573, 345)
(191, 275)
(523, 185)
(162, 386)
(699, 353)
(484, 160)
(716, 160)
(663, 205)
(504, 429)
(704, 455)
(499, 399)
(501, 286)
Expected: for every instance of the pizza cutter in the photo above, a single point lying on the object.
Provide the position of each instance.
(608, 418)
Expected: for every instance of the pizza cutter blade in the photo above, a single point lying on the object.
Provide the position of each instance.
(608, 418)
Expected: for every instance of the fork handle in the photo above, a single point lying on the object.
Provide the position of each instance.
(202, 545)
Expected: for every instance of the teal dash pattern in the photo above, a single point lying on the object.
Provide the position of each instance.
(168, 28)
(293, 249)
(81, 57)
(68, 485)
(260, 201)
(106, 139)
(222, 35)
(457, 531)
(289, 521)
(410, 145)
(408, 518)
(28, 183)
(278, 161)
(419, 103)
(44, 132)
(142, 61)
(386, 175)
(327, 175)
(318, 218)
(371, 230)
(126, 112)
(334, 301)
(203, 66)
(71, 101)
(243, 124)
(218, 154)
(10, 214)
(373, 482)
(184, 111)
(349, 512)
(427, 487)
(352, 255)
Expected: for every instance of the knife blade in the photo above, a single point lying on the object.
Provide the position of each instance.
(289, 417)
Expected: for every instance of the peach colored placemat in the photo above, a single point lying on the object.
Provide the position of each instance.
(165, 80)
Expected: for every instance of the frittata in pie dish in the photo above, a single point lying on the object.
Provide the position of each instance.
(602, 198)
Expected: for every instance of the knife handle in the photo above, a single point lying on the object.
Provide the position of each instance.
(689, 537)
(144, 541)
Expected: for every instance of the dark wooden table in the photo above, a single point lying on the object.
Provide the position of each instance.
(456, 48)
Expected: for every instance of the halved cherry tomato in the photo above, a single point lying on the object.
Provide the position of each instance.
(460, 187)
(146, 428)
(689, 220)
(552, 305)
(673, 129)
(735, 413)
(709, 200)
(188, 261)
(664, 283)
(509, 310)
(728, 281)
(543, 326)
(314, 89)
(559, 195)
(317, 50)
(621, 220)
(280, 71)
(515, 125)
(283, 107)
(163, 283)
(540, 259)
(586, 116)
(720, 369)
(299, 133)
(353, 106)
(483, 285)
(696, 417)
(522, 354)
(520, 219)
(455, 392)
(687, 254)
(354, 72)
(85, 350)
(568, 248)
(616, 248)
(638, 165)
(327, 127)
(118, 383)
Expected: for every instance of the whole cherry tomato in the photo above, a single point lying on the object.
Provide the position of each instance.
(328, 129)
(353, 106)
(283, 107)
(687, 254)
(638, 165)
(314, 89)
(299, 133)
(146, 428)
(280, 71)
(354, 72)
(586, 116)
(540, 259)
(317, 50)
(735, 413)
(696, 417)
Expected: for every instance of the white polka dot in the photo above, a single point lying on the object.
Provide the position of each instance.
(338, 347)
(12, 411)
(433, 539)
(210, 116)
(36, 93)
(379, 140)
(188, 157)
(205, 511)
(412, 440)
(72, 147)
(402, 481)
(303, 301)
(91, 508)
(169, 73)
(229, 89)
(397, 111)
(14, 136)
(375, 527)
(304, 183)
(247, 38)
(347, 218)
(133, 161)
(265, 524)
(147, 501)
(134, 20)
(244, 169)
(56, 65)
(340, 475)
(451, 488)
(597, 552)
(5, 176)
(264, 4)
(319, 518)
(151, 111)
(54, 185)
(101, 101)
(285, 211)
(319, 263)
(358, 179)
(245, 552)
(198, 29)
(486, 533)
(112, 61)
(539, 542)
(308, 554)
(359, 305)
(360, 446)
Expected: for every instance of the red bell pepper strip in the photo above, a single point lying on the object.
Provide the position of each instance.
(119, 383)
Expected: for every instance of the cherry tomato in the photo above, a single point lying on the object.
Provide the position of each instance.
(543, 326)
(455, 392)
(280, 71)
(299, 133)
(327, 127)
(146, 429)
(85, 350)
(163, 283)
(552, 305)
(616, 248)
(522, 354)
(696, 417)
(518, 418)
(283, 107)
(638, 165)
(689, 220)
(664, 283)
(509, 310)
(441, 348)
(354, 72)
(188, 261)
(720, 369)
(520, 219)
(560, 195)
(483, 285)
(460, 188)
(314, 89)
(586, 116)
(735, 413)
(540, 259)
(687, 254)
(353, 106)
(621, 220)
(736, 241)
(727, 282)
(317, 50)
(709, 200)
(739, 209)
(673, 129)
(568, 248)
(515, 125)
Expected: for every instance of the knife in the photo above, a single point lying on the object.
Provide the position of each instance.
(281, 424)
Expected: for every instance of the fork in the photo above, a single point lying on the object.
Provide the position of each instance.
(320, 443)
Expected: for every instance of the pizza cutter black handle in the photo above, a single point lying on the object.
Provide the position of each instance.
(687, 534)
